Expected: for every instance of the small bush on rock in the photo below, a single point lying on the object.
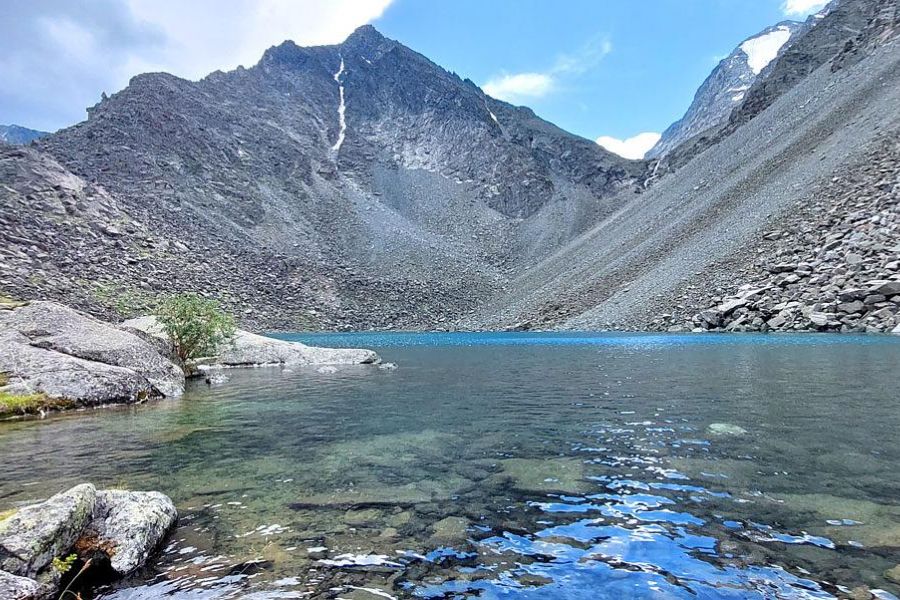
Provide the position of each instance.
(197, 326)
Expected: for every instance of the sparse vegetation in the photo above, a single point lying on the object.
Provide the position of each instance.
(197, 326)
(8, 303)
(28, 404)
(62, 565)
(125, 302)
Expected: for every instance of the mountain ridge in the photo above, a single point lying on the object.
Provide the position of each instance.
(17, 135)
(361, 186)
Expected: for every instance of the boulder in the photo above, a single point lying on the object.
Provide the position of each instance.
(13, 587)
(250, 349)
(729, 306)
(896, 329)
(128, 526)
(59, 376)
(49, 348)
(884, 287)
(36, 534)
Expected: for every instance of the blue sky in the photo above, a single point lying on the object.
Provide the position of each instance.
(618, 67)
(594, 67)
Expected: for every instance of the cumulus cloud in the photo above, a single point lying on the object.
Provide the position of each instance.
(57, 56)
(802, 7)
(634, 147)
(519, 87)
(522, 87)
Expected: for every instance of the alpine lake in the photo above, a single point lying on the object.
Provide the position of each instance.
(510, 465)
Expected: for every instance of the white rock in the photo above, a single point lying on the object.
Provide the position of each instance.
(725, 429)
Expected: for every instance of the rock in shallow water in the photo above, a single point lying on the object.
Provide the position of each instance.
(123, 527)
(249, 349)
(129, 526)
(36, 534)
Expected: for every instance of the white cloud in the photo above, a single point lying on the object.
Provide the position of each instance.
(203, 36)
(802, 7)
(634, 147)
(521, 87)
(57, 56)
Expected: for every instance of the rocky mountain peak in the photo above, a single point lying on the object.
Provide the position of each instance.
(728, 84)
(365, 36)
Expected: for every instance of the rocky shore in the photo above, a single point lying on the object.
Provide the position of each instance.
(79, 536)
(831, 263)
(53, 357)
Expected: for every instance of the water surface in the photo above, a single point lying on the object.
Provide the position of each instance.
(513, 466)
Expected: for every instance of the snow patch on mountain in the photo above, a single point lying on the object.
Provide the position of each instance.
(763, 49)
(342, 109)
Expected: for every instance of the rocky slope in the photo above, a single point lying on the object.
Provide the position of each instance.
(357, 184)
(15, 134)
(727, 86)
(669, 251)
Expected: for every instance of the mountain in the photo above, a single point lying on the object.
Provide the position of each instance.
(14, 134)
(357, 184)
(360, 185)
(727, 85)
(784, 220)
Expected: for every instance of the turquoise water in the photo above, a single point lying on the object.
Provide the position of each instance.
(512, 466)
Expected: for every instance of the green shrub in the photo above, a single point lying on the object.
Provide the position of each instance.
(63, 565)
(197, 326)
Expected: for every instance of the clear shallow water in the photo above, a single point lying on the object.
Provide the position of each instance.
(514, 466)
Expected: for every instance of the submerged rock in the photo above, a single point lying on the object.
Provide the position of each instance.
(893, 574)
(36, 534)
(50, 349)
(544, 474)
(725, 429)
(449, 531)
(13, 587)
(250, 349)
(128, 526)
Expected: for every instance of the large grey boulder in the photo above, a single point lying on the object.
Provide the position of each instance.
(36, 534)
(77, 381)
(13, 587)
(59, 330)
(128, 526)
(249, 349)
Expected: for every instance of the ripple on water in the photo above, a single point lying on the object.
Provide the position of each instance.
(513, 466)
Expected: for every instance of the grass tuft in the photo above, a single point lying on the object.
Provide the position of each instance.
(12, 405)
